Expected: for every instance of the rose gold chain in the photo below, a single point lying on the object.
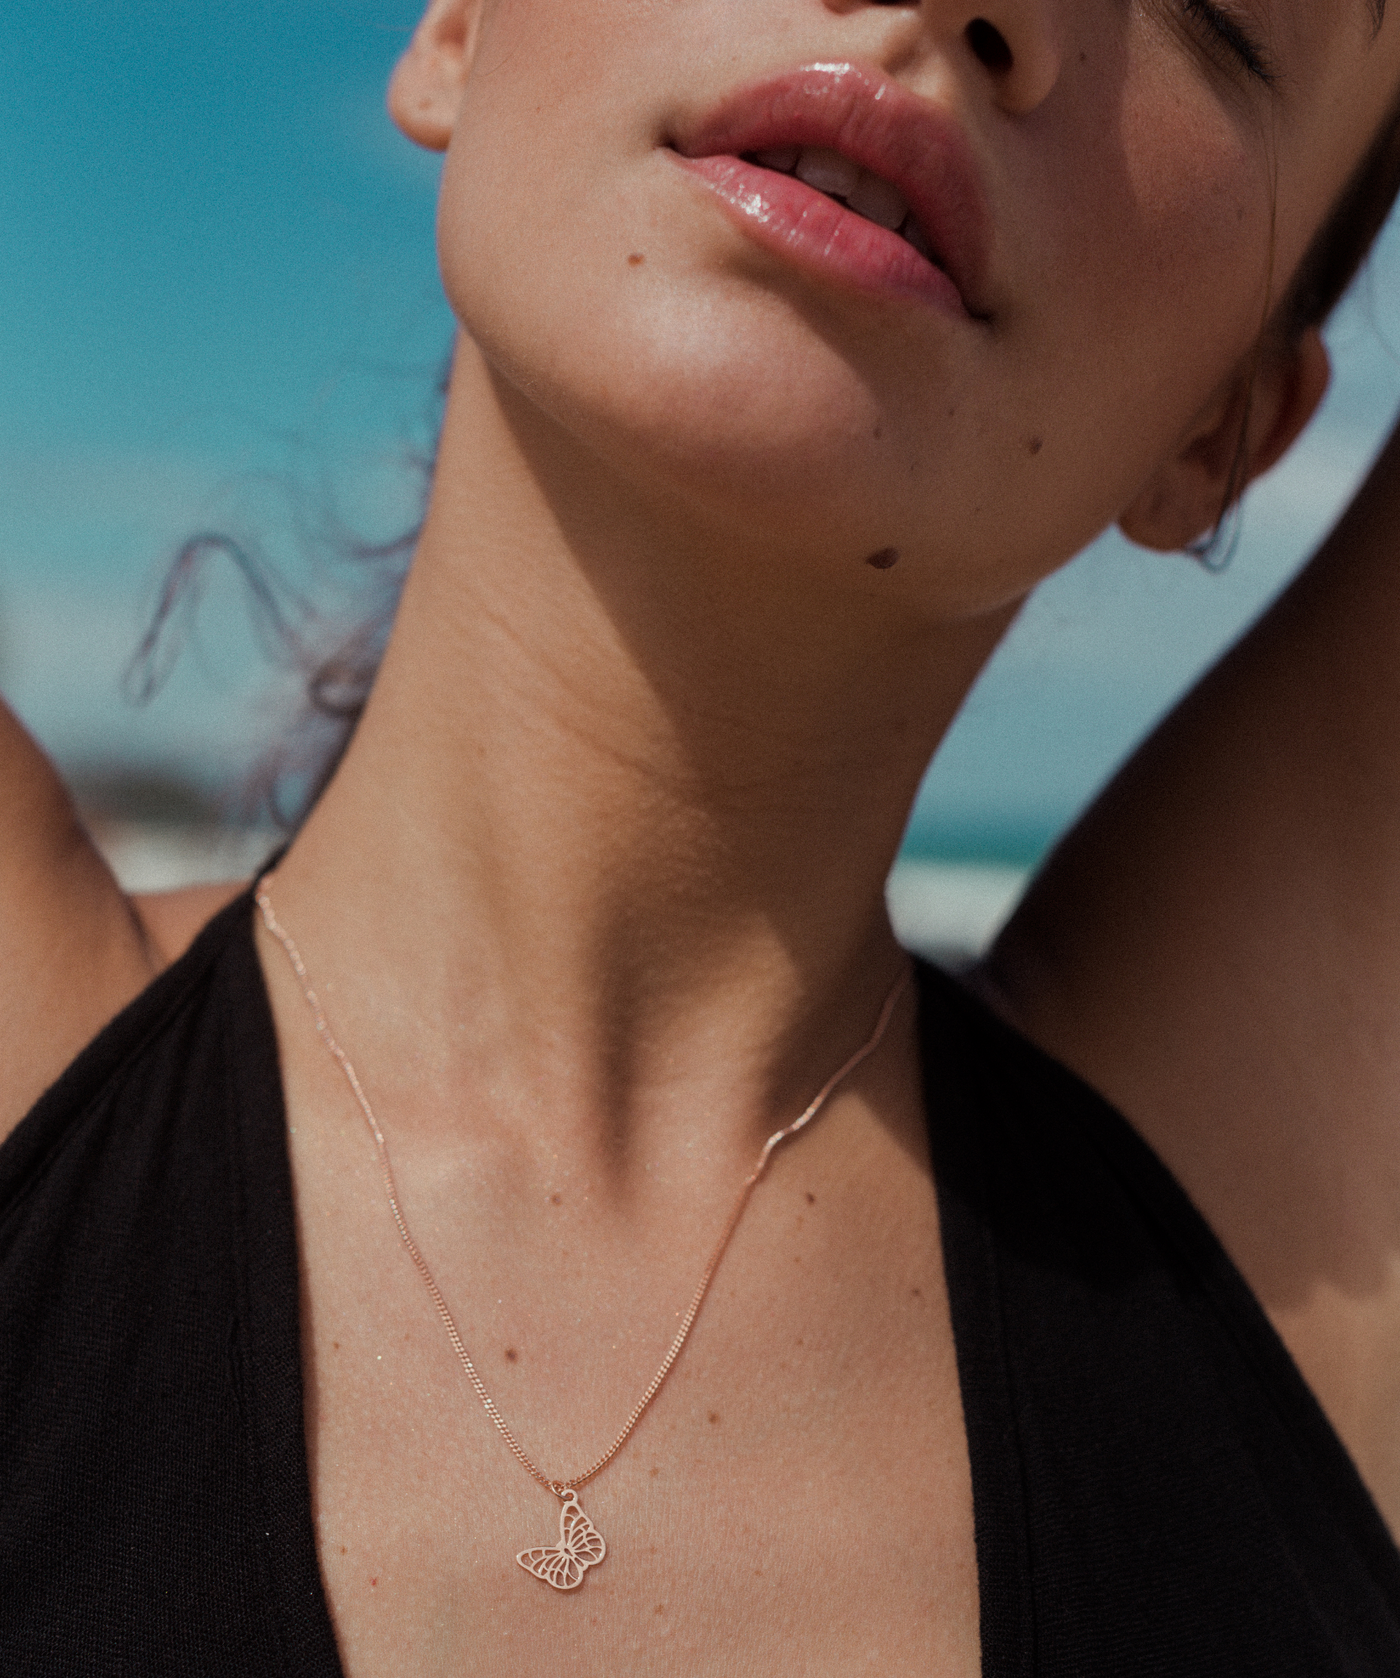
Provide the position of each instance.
(558, 1487)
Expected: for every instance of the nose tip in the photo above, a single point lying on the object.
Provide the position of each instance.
(1014, 43)
(1016, 46)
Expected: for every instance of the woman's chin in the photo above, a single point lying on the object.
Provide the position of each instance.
(746, 438)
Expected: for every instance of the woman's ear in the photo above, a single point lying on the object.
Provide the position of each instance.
(1270, 401)
(426, 88)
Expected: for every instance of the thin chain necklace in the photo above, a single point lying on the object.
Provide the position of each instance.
(580, 1544)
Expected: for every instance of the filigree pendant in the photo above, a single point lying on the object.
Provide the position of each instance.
(580, 1547)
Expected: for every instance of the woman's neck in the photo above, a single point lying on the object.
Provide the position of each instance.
(612, 836)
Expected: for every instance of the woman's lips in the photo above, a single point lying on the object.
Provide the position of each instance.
(884, 129)
(797, 221)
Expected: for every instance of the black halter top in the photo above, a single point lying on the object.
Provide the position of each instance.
(1156, 1490)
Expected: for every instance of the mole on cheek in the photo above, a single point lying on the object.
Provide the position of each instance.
(635, 260)
(884, 560)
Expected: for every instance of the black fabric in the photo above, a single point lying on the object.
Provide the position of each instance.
(1156, 1490)
(154, 1508)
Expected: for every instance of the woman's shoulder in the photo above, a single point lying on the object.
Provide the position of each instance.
(1121, 1378)
(74, 948)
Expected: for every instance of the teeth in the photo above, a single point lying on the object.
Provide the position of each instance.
(828, 171)
(878, 201)
(868, 195)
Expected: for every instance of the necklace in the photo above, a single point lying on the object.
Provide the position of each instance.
(580, 1543)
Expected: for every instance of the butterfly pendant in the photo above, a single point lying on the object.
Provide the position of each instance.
(580, 1547)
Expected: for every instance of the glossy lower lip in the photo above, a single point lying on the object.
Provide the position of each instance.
(793, 220)
(878, 124)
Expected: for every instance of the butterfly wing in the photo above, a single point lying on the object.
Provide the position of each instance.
(580, 1547)
(555, 1566)
(581, 1538)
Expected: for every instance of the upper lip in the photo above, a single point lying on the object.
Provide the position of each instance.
(885, 128)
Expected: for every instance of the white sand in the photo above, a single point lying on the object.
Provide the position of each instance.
(951, 911)
(158, 856)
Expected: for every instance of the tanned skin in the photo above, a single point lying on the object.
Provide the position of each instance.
(595, 897)
(1216, 947)
(74, 950)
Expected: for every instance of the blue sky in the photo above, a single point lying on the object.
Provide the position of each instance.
(218, 281)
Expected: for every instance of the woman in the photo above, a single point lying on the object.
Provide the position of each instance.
(737, 490)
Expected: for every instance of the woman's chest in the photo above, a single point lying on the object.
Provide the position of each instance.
(797, 1498)
(821, 1562)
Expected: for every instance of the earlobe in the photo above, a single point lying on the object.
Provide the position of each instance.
(1305, 379)
(426, 88)
(1247, 429)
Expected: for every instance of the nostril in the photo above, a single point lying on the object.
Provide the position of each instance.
(989, 45)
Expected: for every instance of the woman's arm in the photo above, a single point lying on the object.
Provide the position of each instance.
(73, 949)
(1216, 947)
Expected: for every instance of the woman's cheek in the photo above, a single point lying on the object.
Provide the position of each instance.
(1163, 277)
(1192, 205)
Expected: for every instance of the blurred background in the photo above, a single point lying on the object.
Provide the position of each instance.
(219, 311)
